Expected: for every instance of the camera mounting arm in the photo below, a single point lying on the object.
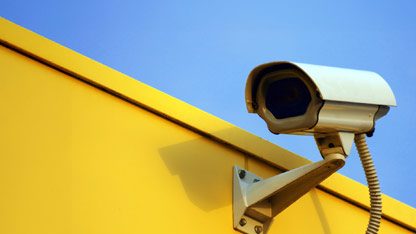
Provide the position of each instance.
(257, 201)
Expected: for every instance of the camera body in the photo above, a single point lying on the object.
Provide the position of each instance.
(304, 99)
(336, 106)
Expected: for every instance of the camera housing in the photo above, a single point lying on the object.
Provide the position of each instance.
(304, 99)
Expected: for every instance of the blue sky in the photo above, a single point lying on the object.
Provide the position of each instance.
(202, 51)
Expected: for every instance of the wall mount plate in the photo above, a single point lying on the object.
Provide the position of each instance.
(244, 223)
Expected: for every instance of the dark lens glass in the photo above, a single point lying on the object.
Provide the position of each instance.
(287, 98)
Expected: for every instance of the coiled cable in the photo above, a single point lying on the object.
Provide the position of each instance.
(372, 181)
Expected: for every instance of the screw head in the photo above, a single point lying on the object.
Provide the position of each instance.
(243, 222)
(242, 174)
(256, 180)
(258, 229)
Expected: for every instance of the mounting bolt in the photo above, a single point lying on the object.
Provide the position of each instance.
(242, 174)
(258, 229)
(243, 222)
(256, 180)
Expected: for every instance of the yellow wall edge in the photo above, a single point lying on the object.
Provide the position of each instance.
(188, 116)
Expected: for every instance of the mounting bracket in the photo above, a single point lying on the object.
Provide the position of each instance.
(257, 201)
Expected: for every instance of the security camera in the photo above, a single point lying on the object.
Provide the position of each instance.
(304, 99)
(337, 106)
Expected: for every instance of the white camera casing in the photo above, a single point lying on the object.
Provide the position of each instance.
(341, 100)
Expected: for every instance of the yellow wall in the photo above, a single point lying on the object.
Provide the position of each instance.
(77, 159)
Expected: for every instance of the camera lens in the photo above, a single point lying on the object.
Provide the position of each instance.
(287, 98)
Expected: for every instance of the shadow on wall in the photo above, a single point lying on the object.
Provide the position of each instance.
(205, 170)
(320, 211)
